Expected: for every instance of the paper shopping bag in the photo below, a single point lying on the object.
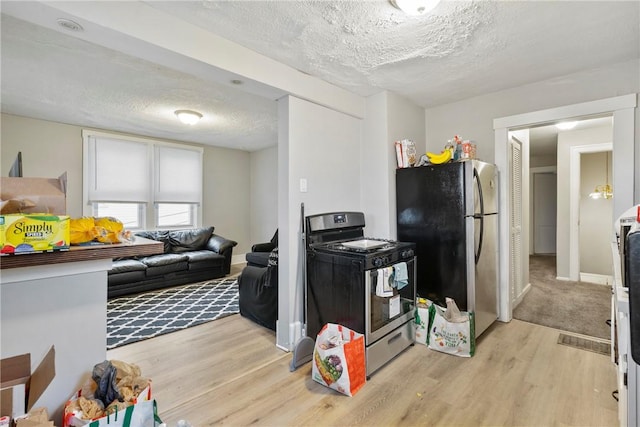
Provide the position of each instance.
(338, 359)
(452, 332)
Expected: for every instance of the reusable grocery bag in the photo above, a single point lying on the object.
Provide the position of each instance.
(421, 319)
(142, 414)
(338, 359)
(451, 331)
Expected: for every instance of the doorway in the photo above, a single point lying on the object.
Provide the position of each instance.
(595, 236)
(623, 110)
(546, 293)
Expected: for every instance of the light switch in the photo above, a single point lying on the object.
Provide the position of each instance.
(303, 185)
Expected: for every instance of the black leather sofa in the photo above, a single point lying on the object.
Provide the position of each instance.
(190, 255)
(258, 284)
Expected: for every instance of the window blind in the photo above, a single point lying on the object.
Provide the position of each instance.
(120, 170)
(178, 175)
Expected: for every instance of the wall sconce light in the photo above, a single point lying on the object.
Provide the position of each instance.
(188, 117)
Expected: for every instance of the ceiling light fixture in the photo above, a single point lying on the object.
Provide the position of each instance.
(415, 7)
(566, 125)
(70, 25)
(603, 191)
(188, 117)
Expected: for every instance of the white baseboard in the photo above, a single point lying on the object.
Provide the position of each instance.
(566, 279)
(600, 279)
(238, 259)
(519, 299)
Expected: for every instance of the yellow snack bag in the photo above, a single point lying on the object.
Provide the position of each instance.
(108, 229)
(81, 230)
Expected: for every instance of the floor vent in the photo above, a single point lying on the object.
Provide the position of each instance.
(585, 344)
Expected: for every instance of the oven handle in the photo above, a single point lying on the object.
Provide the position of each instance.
(395, 337)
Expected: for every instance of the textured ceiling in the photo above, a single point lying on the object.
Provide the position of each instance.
(462, 49)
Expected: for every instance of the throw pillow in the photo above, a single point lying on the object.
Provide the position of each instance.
(273, 258)
(159, 235)
(189, 240)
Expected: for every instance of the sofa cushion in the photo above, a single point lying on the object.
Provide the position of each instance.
(159, 235)
(165, 263)
(189, 240)
(205, 260)
(127, 265)
(126, 277)
(163, 259)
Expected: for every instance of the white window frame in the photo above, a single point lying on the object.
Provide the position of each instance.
(149, 208)
(193, 215)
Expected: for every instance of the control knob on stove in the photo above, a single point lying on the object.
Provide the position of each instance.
(379, 262)
(407, 254)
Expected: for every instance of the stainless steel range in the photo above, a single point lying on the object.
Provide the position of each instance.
(365, 284)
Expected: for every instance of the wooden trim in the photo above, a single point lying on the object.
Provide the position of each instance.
(141, 247)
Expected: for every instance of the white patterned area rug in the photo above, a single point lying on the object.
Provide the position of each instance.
(137, 317)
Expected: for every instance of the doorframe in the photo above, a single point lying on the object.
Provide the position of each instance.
(623, 110)
(574, 203)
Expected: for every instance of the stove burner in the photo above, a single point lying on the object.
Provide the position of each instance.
(364, 246)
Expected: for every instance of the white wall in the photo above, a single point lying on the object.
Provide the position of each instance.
(50, 148)
(541, 161)
(323, 147)
(473, 118)
(389, 118)
(226, 196)
(264, 194)
(566, 140)
(595, 234)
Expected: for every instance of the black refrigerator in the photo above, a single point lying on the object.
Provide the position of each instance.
(450, 212)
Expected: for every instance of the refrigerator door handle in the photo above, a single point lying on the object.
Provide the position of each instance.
(476, 179)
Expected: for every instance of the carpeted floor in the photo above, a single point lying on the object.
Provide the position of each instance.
(578, 307)
(137, 317)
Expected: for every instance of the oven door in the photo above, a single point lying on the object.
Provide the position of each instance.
(387, 310)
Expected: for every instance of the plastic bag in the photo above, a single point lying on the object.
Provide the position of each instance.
(339, 360)
(104, 374)
(81, 230)
(103, 230)
(421, 318)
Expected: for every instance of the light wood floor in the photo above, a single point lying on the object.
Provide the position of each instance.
(229, 372)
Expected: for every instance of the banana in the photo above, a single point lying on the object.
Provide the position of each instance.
(438, 159)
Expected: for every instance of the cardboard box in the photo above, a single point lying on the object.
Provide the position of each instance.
(34, 233)
(19, 387)
(33, 195)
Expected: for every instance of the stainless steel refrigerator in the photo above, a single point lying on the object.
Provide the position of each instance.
(450, 212)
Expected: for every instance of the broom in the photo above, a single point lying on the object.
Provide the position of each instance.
(303, 351)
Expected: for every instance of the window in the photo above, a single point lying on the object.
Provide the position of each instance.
(130, 214)
(143, 183)
(175, 214)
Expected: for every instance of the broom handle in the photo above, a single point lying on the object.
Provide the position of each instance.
(304, 266)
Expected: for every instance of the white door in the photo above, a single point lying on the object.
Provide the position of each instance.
(544, 212)
(515, 222)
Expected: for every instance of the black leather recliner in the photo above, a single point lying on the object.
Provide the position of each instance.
(258, 289)
(259, 255)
